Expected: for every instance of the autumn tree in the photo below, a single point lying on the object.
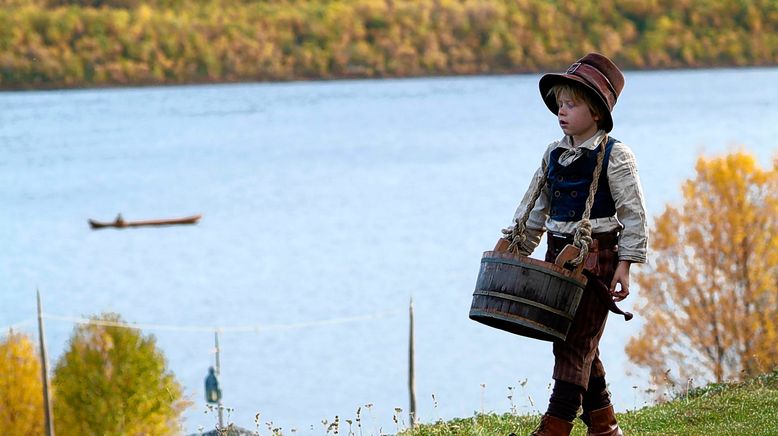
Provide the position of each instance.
(710, 297)
(21, 395)
(112, 380)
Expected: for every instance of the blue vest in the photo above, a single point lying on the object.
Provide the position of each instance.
(569, 186)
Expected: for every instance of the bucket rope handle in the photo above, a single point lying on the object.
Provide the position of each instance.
(516, 234)
(583, 233)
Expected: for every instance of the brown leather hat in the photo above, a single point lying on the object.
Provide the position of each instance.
(597, 73)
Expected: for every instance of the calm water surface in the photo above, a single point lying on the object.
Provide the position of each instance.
(324, 201)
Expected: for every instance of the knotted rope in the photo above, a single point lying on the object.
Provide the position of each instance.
(516, 234)
(583, 233)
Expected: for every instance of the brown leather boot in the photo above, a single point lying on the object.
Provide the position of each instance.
(552, 426)
(602, 422)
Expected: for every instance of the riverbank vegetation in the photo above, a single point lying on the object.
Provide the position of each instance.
(70, 43)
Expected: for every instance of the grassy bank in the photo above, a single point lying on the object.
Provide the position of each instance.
(747, 408)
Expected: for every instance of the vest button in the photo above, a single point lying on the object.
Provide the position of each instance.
(553, 212)
(571, 213)
(559, 178)
(574, 194)
(557, 194)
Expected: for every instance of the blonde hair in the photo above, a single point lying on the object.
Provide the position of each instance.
(580, 94)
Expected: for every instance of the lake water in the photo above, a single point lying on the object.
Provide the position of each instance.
(324, 201)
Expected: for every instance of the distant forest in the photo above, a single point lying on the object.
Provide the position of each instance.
(74, 43)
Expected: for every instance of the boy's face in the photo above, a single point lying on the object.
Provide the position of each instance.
(575, 118)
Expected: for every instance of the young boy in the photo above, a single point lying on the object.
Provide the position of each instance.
(583, 98)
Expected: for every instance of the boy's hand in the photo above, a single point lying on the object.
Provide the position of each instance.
(620, 277)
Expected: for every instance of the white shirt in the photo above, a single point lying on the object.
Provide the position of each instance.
(630, 218)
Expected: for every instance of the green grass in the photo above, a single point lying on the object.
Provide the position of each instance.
(746, 408)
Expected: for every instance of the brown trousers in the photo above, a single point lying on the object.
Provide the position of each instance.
(578, 358)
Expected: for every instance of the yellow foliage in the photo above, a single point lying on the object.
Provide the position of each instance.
(710, 297)
(21, 394)
(112, 380)
(103, 42)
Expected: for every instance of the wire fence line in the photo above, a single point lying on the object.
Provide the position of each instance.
(257, 328)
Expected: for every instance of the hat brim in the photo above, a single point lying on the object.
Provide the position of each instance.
(550, 80)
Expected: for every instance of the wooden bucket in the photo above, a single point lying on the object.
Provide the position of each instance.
(526, 296)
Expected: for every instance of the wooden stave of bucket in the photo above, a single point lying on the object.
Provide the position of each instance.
(526, 296)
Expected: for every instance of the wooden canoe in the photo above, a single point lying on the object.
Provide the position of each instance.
(120, 223)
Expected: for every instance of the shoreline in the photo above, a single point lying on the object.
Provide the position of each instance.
(194, 83)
